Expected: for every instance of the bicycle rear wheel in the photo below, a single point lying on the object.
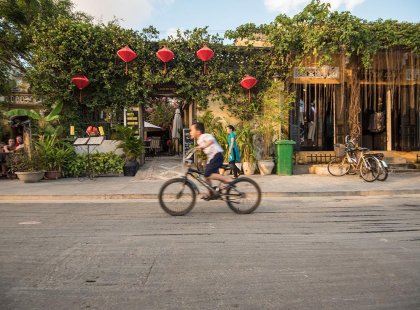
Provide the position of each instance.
(338, 166)
(370, 169)
(177, 197)
(244, 196)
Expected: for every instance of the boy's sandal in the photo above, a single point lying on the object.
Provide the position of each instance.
(209, 197)
(224, 187)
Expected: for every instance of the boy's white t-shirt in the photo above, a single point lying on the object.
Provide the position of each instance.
(211, 150)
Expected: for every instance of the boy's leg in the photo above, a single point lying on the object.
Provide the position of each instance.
(221, 178)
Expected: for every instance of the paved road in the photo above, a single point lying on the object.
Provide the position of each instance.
(300, 253)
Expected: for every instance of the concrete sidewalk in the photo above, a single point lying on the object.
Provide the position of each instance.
(104, 188)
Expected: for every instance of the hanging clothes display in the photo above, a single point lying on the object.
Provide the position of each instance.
(311, 125)
(377, 122)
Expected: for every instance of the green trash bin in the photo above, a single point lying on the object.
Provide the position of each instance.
(284, 157)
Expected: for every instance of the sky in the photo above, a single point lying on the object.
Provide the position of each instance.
(221, 15)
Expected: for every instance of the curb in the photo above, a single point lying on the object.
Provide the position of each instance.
(117, 197)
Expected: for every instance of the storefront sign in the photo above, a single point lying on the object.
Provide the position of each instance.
(131, 119)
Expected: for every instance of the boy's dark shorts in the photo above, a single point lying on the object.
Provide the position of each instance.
(213, 166)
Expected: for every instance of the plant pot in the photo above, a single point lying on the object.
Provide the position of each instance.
(52, 175)
(265, 166)
(249, 168)
(130, 168)
(30, 176)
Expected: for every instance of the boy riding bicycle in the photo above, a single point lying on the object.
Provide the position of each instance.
(214, 153)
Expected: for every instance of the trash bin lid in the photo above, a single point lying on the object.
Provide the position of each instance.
(285, 142)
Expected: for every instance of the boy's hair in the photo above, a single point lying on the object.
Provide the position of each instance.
(199, 126)
(231, 127)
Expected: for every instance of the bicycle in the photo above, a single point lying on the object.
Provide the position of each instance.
(347, 161)
(384, 170)
(178, 196)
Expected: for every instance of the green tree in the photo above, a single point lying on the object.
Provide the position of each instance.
(16, 22)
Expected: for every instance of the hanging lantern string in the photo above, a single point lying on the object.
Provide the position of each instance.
(126, 69)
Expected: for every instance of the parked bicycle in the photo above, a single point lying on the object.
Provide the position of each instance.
(383, 175)
(350, 159)
(178, 196)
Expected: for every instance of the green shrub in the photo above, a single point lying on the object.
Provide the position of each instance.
(22, 162)
(101, 164)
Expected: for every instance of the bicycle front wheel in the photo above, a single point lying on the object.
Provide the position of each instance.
(177, 197)
(244, 196)
(370, 169)
(338, 166)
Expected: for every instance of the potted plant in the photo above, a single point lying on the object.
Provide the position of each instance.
(132, 146)
(28, 168)
(55, 154)
(264, 145)
(246, 146)
(275, 106)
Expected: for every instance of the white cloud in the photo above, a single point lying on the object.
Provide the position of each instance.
(131, 13)
(292, 6)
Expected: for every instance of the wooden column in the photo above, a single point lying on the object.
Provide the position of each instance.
(141, 131)
(388, 120)
(190, 114)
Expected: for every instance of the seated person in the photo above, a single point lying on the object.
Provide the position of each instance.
(19, 143)
(6, 150)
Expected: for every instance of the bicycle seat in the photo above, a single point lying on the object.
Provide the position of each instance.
(378, 155)
(362, 149)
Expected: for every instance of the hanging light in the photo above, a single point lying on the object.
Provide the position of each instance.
(248, 82)
(205, 54)
(127, 55)
(166, 55)
(81, 82)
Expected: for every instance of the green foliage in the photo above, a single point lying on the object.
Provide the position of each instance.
(101, 164)
(131, 145)
(16, 23)
(318, 31)
(57, 44)
(107, 163)
(22, 162)
(54, 152)
(45, 123)
(162, 114)
(276, 105)
(245, 140)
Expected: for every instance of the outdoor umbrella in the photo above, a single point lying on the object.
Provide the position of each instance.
(150, 127)
(176, 128)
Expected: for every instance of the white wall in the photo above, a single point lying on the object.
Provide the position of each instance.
(105, 147)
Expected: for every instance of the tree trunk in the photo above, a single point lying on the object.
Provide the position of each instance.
(354, 109)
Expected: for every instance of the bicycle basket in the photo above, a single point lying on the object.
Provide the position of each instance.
(339, 150)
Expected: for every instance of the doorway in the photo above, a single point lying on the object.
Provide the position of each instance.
(313, 117)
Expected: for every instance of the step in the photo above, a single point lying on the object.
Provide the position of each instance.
(395, 160)
(406, 166)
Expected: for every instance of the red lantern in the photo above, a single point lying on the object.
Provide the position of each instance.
(248, 82)
(81, 81)
(165, 55)
(92, 131)
(127, 55)
(205, 54)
